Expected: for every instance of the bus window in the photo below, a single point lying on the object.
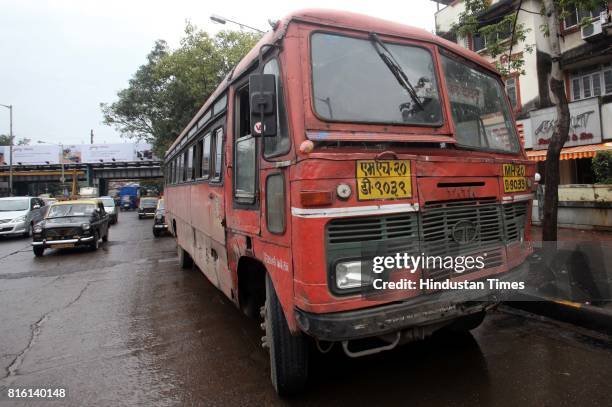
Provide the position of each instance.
(245, 169)
(479, 108)
(275, 203)
(181, 175)
(218, 154)
(185, 165)
(206, 156)
(189, 166)
(280, 143)
(197, 161)
(245, 159)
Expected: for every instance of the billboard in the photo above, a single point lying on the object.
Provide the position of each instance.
(77, 153)
(39, 155)
(96, 153)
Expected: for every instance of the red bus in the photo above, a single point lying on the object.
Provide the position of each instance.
(337, 138)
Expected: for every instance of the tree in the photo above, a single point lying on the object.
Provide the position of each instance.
(5, 140)
(165, 92)
(552, 11)
(602, 167)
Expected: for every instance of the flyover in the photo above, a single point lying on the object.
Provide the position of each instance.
(28, 179)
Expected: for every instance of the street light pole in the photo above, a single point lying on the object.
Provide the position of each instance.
(223, 20)
(10, 108)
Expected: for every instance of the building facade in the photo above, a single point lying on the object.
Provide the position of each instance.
(586, 61)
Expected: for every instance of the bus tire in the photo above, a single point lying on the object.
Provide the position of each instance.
(288, 353)
(185, 260)
(467, 323)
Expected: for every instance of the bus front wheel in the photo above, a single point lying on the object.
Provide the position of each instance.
(288, 353)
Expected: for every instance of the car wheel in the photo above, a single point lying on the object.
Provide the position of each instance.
(105, 238)
(288, 353)
(38, 251)
(156, 233)
(184, 258)
(28, 231)
(96, 242)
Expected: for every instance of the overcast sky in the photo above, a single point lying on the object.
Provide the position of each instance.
(60, 58)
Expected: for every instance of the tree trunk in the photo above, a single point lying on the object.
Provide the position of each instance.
(560, 134)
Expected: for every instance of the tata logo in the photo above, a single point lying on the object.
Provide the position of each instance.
(464, 232)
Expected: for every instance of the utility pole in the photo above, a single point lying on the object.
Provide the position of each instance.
(91, 136)
(10, 108)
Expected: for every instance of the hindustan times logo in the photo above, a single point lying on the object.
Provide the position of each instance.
(403, 261)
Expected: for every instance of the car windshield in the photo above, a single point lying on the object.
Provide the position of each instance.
(108, 201)
(9, 205)
(479, 108)
(352, 82)
(58, 211)
(160, 204)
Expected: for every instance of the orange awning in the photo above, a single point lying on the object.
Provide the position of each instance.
(571, 153)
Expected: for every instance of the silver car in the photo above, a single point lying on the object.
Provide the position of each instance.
(19, 214)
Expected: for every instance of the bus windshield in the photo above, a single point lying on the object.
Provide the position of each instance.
(479, 108)
(352, 82)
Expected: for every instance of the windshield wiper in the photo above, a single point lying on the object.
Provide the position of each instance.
(395, 68)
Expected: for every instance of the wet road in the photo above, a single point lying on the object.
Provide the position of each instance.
(126, 326)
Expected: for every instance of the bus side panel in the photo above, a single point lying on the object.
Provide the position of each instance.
(277, 260)
(207, 213)
(179, 207)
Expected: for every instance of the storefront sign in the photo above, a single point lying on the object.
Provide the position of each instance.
(585, 124)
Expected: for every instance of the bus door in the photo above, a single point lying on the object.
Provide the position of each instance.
(242, 186)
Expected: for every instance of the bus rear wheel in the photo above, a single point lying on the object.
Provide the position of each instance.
(184, 258)
(288, 353)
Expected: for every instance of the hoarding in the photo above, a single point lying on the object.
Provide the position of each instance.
(585, 124)
(77, 153)
(38, 155)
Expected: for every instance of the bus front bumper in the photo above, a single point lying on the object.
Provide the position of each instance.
(427, 309)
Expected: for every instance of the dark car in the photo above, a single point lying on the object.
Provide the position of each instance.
(71, 224)
(147, 207)
(159, 225)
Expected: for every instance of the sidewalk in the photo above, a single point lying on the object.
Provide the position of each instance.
(575, 284)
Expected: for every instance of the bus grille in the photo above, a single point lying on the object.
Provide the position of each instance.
(430, 232)
(350, 230)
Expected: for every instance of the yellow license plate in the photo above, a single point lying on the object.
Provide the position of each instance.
(62, 246)
(514, 178)
(383, 179)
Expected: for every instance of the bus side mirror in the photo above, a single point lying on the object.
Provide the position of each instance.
(262, 89)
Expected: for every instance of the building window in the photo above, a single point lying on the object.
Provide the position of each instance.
(479, 41)
(513, 92)
(576, 15)
(593, 83)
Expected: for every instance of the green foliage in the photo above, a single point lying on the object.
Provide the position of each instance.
(5, 140)
(602, 167)
(471, 23)
(165, 92)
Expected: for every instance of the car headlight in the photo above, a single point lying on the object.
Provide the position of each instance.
(86, 226)
(19, 219)
(37, 229)
(348, 275)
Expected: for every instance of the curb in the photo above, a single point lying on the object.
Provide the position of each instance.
(586, 316)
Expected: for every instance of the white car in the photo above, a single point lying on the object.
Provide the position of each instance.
(19, 214)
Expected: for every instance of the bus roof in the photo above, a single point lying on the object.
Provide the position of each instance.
(333, 19)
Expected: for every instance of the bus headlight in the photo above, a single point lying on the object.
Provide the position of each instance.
(348, 274)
